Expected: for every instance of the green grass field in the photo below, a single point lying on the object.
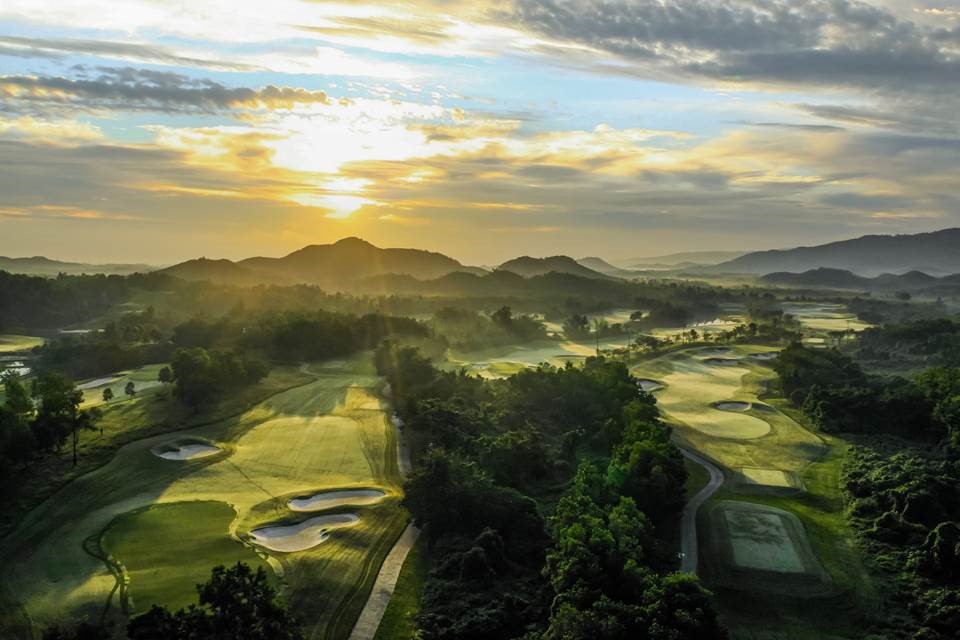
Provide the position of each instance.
(168, 549)
(328, 434)
(144, 380)
(12, 343)
(759, 604)
(824, 316)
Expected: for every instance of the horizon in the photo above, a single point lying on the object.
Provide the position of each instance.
(159, 133)
(616, 261)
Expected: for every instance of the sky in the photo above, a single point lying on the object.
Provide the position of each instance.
(157, 131)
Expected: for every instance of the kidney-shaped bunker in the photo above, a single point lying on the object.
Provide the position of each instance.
(329, 499)
(649, 385)
(306, 535)
(186, 450)
(733, 405)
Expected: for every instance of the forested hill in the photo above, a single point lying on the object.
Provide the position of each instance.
(332, 266)
(936, 253)
(529, 267)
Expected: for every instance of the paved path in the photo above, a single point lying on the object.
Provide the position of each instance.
(688, 526)
(369, 620)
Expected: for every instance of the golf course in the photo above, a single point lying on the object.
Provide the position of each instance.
(773, 532)
(306, 484)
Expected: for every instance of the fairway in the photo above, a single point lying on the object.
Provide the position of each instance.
(824, 316)
(328, 435)
(143, 378)
(165, 550)
(767, 477)
(13, 343)
(701, 394)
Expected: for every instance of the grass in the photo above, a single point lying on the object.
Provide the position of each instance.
(144, 380)
(328, 434)
(125, 422)
(168, 549)
(398, 620)
(10, 343)
(752, 609)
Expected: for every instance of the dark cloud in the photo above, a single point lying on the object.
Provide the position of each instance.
(810, 43)
(142, 89)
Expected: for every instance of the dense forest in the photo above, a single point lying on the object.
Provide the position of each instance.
(902, 476)
(539, 496)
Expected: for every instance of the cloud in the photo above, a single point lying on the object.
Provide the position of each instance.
(146, 90)
(819, 43)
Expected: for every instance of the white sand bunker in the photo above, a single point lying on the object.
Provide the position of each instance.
(721, 362)
(330, 499)
(766, 355)
(306, 535)
(733, 405)
(650, 385)
(186, 450)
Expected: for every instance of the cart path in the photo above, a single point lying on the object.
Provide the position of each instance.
(688, 526)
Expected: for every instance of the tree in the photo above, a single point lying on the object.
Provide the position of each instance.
(165, 375)
(237, 603)
(502, 317)
(107, 394)
(59, 415)
(130, 389)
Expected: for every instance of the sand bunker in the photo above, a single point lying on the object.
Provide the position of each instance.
(306, 535)
(733, 405)
(186, 450)
(330, 499)
(721, 362)
(650, 385)
(766, 355)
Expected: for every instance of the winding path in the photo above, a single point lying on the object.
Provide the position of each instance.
(369, 620)
(688, 525)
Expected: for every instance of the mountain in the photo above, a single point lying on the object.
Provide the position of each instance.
(529, 267)
(41, 266)
(936, 253)
(332, 266)
(604, 267)
(684, 259)
(914, 281)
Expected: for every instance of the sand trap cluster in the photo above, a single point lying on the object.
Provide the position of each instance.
(329, 499)
(733, 405)
(721, 362)
(186, 450)
(306, 535)
(649, 385)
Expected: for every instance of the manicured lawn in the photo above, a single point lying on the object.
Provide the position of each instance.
(328, 434)
(12, 343)
(168, 549)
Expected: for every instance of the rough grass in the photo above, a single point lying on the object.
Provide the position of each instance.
(10, 343)
(398, 620)
(328, 434)
(168, 549)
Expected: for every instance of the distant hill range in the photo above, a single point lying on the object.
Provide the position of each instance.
(682, 260)
(40, 266)
(529, 267)
(912, 281)
(332, 266)
(936, 253)
(602, 266)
